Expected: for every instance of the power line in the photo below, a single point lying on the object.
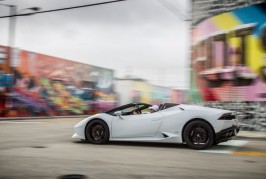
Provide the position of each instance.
(174, 9)
(63, 9)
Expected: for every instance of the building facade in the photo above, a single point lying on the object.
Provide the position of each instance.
(229, 57)
(138, 90)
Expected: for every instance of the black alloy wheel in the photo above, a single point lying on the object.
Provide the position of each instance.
(97, 132)
(198, 135)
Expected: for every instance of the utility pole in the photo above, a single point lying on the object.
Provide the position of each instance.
(12, 32)
(11, 37)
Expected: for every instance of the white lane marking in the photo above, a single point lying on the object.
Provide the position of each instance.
(226, 147)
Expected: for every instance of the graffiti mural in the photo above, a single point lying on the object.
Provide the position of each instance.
(50, 86)
(138, 90)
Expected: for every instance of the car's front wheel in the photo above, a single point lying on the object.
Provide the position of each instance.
(97, 132)
(198, 135)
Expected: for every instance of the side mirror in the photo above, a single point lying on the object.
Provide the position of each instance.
(119, 114)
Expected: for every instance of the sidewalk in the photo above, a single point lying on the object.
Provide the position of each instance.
(251, 135)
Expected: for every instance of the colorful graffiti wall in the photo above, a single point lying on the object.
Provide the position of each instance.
(229, 56)
(50, 86)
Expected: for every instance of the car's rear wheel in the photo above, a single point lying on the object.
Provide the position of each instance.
(198, 135)
(97, 132)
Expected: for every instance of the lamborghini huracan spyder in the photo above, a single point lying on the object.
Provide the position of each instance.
(198, 127)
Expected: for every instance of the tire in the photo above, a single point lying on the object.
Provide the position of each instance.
(215, 143)
(198, 135)
(97, 132)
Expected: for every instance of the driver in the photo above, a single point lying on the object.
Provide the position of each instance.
(154, 108)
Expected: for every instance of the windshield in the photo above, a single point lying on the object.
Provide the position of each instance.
(129, 108)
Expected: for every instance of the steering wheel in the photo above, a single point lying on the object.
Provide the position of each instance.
(137, 111)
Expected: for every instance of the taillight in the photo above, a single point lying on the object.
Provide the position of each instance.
(227, 116)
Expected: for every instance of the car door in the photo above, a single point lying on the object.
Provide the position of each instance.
(133, 126)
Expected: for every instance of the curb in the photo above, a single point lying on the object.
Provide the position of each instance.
(42, 117)
(250, 138)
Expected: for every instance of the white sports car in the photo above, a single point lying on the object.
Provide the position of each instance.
(198, 127)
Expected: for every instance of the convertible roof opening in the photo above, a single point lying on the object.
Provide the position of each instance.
(141, 106)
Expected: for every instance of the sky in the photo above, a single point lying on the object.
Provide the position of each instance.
(146, 39)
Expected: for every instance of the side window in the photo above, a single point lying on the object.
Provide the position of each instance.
(128, 109)
(146, 111)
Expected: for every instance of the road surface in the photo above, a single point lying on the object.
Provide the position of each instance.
(44, 148)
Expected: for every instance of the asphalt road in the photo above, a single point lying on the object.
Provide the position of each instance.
(36, 149)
